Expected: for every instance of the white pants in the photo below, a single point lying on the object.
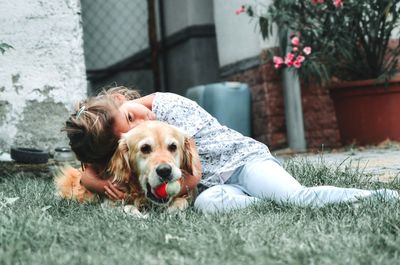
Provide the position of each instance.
(268, 180)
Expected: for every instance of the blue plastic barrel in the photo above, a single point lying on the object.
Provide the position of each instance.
(228, 102)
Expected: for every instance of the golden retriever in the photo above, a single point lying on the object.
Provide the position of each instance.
(147, 156)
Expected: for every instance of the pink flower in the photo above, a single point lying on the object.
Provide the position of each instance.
(240, 10)
(297, 64)
(295, 41)
(289, 56)
(300, 58)
(307, 50)
(338, 3)
(278, 61)
(289, 59)
(295, 49)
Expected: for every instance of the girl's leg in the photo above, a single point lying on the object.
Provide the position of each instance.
(267, 179)
(221, 198)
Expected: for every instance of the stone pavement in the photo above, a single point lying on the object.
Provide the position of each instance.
(381, 162)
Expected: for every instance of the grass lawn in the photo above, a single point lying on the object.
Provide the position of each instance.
(39, 228)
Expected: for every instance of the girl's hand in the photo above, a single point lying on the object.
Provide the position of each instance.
(93, 183)
(114, 192)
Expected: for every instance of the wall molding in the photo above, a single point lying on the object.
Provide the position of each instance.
(239, 66)
(191, 32)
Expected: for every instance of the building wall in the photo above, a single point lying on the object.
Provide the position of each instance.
(320, 123)
(180, 14)
(268, 111)
(190, 44)
(237, 35)
(44, 75)
(192, 62)
(243, 58)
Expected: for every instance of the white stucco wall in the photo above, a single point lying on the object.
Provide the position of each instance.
(238, 36)
(44, 75)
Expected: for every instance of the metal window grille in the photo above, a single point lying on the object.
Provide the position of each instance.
(116, 43)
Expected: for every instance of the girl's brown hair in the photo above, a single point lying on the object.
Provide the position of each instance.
(90, 128)
(127, 92)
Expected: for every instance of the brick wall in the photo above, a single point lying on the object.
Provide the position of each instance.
(321, 128)
(268, 122)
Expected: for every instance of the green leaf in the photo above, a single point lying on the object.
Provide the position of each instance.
(263, 22)
(351, 42)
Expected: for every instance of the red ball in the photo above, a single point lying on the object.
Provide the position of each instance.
(161, 191)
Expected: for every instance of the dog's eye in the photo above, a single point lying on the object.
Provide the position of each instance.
(172, 147)
(145, 149)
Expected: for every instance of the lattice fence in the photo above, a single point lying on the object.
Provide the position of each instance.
(116, 43)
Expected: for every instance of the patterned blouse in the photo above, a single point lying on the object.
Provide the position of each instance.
(221, 149)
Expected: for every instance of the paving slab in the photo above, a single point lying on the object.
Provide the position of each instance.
(379, 163)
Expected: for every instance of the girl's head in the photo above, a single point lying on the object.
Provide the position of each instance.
(130, 115)
(91, 129)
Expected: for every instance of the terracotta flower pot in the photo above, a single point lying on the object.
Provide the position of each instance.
(367, 111)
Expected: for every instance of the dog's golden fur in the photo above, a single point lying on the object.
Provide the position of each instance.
(136, 164)
(68, 184)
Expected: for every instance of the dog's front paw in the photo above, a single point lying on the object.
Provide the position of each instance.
(178, 204)
(133, 211)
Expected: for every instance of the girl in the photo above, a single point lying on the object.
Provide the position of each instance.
(237, 170)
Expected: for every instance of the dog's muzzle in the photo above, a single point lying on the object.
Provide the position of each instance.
(164, 171)
(165, 174)
(150, 195)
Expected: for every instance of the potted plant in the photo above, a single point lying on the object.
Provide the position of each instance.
(337, 44)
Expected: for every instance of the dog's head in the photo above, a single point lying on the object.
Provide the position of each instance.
(153, 152)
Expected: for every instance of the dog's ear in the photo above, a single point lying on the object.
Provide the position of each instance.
(191, 160)
(119, 166)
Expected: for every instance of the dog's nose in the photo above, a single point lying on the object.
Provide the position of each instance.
(164, 171)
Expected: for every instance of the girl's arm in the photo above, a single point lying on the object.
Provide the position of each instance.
(147, 101)
(189, 181)
(90, 180)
